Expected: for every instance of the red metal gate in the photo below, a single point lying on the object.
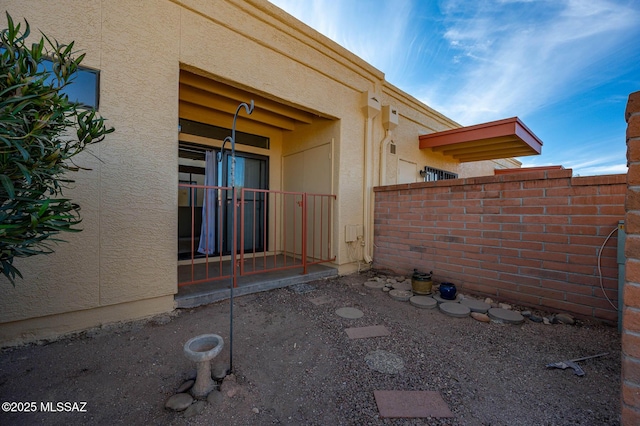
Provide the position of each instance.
(275, 230)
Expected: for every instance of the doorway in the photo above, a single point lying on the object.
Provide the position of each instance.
(251, 171)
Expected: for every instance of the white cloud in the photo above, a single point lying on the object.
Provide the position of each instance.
(521, 58)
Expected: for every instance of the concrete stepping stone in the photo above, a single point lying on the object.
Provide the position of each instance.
(476, 305)
(376, 285)
(365, 332)
(423, 302)
(411, 404)
(506, 316)
(350, 313)
(179, 402)
(384, 362)
(404, 285)
(454, 309)
(321, 300)
(401, 295)
(439, 299)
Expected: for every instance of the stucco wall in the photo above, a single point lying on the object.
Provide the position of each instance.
(127, 252)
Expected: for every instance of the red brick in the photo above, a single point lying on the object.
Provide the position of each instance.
(632, 201)
(529, 263)
(633, 126)
(566, 307)
(572, 210)
(633, 174)
(546, 201)
(630, 344)
(608, 316)
(632, 246)
(545, 273)
(559, 174)
(567, 287)
(633, 105)
(632, 222)
(633, 151)
(610, 210)
(599, 180)
(503, 186)
(631, 369)
(523, 210)
(631, 292)
(630, 415)
(544, 183)
(542, 292)
(523, 193)
(535, 228)
(631, 319)
(631, 394)
(590, 301)
(519, 298)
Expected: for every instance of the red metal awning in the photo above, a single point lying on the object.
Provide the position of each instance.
(506, 138)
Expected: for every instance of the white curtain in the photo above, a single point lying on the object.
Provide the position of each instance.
(208, 230)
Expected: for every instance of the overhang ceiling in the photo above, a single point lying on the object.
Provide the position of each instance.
(506, 138)
(201, 96)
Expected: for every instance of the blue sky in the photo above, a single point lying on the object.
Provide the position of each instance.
(565, 67)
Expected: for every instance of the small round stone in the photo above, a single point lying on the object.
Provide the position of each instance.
(505, 315)
(480, 317)
(179, 402)
(376, 285)
(401, 295)
(424, 302)
(476, 305)
(185, 386)
(195, 409)
(350, 313)
(565, 319)
(455, 309)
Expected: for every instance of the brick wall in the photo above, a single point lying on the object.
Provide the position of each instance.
(530, 238)
(631, 310)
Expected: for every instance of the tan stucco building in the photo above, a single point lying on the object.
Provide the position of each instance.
(324, 122)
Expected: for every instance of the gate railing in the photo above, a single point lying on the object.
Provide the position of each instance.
(276, 230)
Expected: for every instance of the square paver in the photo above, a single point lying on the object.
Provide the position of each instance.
(411, 404)
(321, 300)
(364, 332)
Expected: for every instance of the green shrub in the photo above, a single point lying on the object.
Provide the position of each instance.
(41, 131)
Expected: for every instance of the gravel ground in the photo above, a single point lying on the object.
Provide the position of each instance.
(295, 365)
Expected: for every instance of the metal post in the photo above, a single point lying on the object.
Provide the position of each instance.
(232, 140)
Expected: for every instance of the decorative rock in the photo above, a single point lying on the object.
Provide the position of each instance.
(215, 397)
(401, 295)
(480, 317)
(535, 318)
(476, 305)
(455, 309)
(195, 409)
(384, 362)
(526, 314)
(376, 285)
(504, 315)
(179, 402)
(504, 306)
(565, 319)
(229, 386)
(386, 289)
(185, 386)
(424, 302)
(255, 410)
(488, 301)
(546, 321)
(350, 313)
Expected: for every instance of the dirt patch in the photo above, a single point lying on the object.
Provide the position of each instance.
(294, 364)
